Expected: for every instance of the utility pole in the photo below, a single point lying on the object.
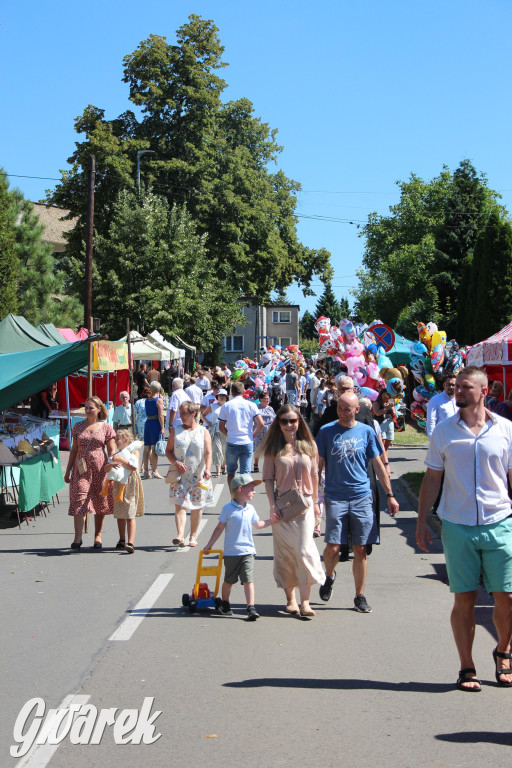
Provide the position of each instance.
(89, 230)
(139, 153)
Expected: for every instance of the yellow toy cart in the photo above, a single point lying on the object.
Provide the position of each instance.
(202, 596)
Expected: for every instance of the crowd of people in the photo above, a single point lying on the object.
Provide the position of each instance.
(212, 433)
(320, 450)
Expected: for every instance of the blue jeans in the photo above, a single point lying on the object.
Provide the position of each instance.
(291, 394)
(238, 454)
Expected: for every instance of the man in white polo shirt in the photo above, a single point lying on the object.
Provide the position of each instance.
(237, 420)
(474, 449)
(442, 405)
(179, 395)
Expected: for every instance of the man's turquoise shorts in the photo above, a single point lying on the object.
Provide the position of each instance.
(474, 549)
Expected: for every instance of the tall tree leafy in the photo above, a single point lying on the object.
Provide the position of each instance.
(490, 281)
(40, 283)
(31, 284)
(307, 326)
(328, 305)
(162, 276)
(8, 256)
(415, 259)
(212, 156)
(344, 308)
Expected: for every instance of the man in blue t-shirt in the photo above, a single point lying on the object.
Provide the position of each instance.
(345, 447)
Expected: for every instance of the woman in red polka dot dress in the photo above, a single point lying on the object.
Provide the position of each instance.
(86, 470)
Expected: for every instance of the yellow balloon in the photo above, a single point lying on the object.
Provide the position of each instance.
(439, 337)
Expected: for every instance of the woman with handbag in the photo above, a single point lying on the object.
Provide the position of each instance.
(86, 470)
(189, 449)
(290, 474)
(153, 431)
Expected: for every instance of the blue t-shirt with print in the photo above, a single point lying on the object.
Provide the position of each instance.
(238, 532)
(346, 452)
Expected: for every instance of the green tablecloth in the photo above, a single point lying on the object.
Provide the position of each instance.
(40, 479)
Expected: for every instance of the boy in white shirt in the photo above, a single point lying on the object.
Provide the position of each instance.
(236, 521)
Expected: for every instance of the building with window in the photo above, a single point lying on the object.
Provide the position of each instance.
(266, 326)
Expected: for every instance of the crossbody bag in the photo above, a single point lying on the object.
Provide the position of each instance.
(293, 503)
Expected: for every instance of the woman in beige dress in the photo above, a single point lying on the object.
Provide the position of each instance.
(289, 460)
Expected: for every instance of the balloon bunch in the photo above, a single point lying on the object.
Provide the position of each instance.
(258, 376)
(431, 358)
(367, 364)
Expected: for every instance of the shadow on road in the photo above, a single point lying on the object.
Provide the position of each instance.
(477, 737)
(348, 684)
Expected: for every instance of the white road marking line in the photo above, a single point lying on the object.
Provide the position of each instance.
(40, 754)
(130, 624)
(200, 527)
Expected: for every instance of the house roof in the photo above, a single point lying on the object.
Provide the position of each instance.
(54, 222)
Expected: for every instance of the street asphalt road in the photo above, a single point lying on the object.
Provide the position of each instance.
(345, 688)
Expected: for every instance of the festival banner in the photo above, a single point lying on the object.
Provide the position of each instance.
(110, 355)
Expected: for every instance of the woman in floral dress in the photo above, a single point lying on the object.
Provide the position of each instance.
(86, 470)
(189, 449)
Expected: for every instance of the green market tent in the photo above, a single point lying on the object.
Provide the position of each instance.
(17, 335)
(22, 373)
(53, 333)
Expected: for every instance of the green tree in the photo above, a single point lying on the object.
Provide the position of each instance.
(214, 157)
(152, 266)
(415, 259)
(40, 283)
(344, 308)
(328, 305)
(490, 282)
(307, 326)
(280, 298)
(8, 256)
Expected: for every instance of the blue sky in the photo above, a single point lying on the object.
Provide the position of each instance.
(362, 94)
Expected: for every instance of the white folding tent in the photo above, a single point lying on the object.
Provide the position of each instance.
(158, 340)
(142, 349)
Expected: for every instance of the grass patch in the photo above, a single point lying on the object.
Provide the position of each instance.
(413, 480)
(411, 435)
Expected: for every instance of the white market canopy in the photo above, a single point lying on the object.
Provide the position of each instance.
(156, 338)
(142, 349)
(496, 350)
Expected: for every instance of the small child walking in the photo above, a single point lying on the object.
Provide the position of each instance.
(236, 521)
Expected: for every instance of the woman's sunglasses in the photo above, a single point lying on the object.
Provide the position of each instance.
(288, 421)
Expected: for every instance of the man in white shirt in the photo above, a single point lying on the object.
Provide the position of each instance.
(203, 382)
(237, 420)
(194, 392)
(474, 450)
(207, 401)
(173, 418)
(123, 413)
(442, 405)
(226, 372)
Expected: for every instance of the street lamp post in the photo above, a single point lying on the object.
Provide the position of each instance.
(139, 153)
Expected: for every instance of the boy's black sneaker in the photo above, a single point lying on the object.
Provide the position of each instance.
(326, 588)
(361, 605)
(252, 613)
(225, 608)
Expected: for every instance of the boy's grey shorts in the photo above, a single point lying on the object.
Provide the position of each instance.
(238, 566)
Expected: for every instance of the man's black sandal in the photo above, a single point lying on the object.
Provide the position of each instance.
(504, 670)
(465, 677)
